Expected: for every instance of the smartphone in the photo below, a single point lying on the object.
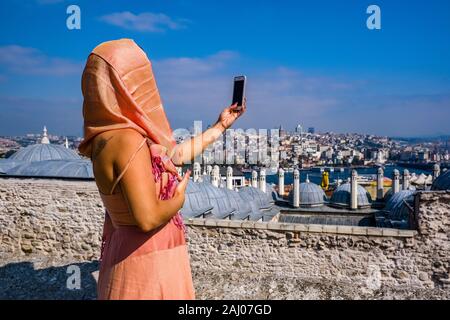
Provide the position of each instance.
(239, 90)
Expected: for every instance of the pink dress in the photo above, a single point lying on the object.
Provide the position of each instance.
(143, 265)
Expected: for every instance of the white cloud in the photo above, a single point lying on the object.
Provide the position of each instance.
(198, 88)
(25, 60)
(189, 67)
(143, 22)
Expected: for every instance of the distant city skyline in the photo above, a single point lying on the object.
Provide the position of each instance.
(55, 136)
(311, 63)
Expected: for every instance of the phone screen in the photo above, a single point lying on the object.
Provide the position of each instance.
(238, 91)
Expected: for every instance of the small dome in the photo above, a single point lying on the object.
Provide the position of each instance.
(243, 208)
(54, 168)
(216, 198)
(389, 193)
(261, 199)
(396, 205)
(311, 195)
(397, 211)
(341, 196)
(442, 182)
(196, 203)
(41, 152)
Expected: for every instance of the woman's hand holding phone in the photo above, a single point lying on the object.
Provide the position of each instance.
(230, 115)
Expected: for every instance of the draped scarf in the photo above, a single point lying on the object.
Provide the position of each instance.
(120, 91)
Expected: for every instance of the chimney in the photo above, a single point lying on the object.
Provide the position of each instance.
(354, 191)
(281, 182)
(296, 189)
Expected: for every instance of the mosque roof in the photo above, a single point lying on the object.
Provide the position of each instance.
(221, 204)
(196, 203)
(310, 195)
(6, 164)
(243, 208)
(46, 160)
(44, 151)
(396, 206)
(341, 196)
(389, 193)
(442, 182)
(76, 168)
(261, 199)
(397, 211)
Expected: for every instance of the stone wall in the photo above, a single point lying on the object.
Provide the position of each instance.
(50, 217)
(46, 225)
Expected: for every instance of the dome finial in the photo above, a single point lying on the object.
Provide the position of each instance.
(45, 139)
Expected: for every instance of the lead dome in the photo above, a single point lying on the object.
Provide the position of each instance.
(341, 196)
(442, 182)
(311, 195)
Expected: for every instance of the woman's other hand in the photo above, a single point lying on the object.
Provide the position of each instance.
(230, 115)
(181, 187)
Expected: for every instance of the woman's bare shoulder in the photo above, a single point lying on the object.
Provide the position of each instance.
(116, 143)
(126, 142)
(127, 136)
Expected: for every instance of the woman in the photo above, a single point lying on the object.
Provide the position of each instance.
(129, 140)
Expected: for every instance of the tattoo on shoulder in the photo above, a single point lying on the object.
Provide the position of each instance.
(99, 147)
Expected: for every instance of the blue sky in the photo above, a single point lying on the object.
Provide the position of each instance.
(308, 62)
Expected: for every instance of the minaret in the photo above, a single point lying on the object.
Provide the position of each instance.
(396, 182)
(45, 139)
(215, 181)
(281, 182)
(406, 179)
(296, 189)
(436, 171)
(230, 178)
(354, 190)
(262, 180)
(380, 179)
(66, 143)
(197, 170)
(254, 179)
(209, 170)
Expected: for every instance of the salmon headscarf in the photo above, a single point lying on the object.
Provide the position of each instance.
(120, 91)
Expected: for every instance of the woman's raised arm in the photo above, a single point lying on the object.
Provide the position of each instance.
(186, 151)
